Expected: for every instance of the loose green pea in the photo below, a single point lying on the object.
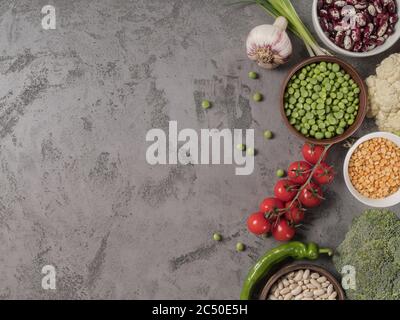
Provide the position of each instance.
(253, 75)
(250, 151)
(257, 97)
(280, 173)
(217, 237)
(240, 247)
(267, 134)
(205, 104)
(241, 147)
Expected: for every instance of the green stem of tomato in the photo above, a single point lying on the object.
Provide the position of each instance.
(326, 148)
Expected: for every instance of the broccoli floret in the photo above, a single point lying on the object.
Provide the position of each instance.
(372, 247)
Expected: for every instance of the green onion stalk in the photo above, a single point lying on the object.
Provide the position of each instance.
(285, 9)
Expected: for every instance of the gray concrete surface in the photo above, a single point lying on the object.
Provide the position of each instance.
(75, 189)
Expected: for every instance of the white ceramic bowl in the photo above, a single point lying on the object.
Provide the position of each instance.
(388, 43)
(378, 203)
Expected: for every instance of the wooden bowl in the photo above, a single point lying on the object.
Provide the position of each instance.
(294, 267)
(363, 97)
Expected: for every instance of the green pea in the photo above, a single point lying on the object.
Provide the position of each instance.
(339, 115)
(240, 247)
(291, 90)
(319, 135)
(335, 67)
(280, 173)
(309, 115)
(350, 110)
(217, 237)
(241, 147)
(253, 75)
(332, 120)
(267, 134)
(257, 97)
(205, 104)
(339, 131)
(250, 151)
(328, 134)
(331, 128)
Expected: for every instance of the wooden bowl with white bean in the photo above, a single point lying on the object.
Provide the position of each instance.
(302, 282)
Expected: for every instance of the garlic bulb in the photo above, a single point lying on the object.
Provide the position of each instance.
(269, 45)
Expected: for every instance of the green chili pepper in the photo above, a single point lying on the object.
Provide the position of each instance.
(295, 249)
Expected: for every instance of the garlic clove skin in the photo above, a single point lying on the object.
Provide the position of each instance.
(269, 45)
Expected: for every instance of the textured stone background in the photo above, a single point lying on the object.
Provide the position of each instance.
(75, 189)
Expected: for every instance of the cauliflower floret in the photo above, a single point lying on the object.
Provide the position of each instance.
(384, 94)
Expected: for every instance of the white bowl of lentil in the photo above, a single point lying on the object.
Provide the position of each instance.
(371, 180)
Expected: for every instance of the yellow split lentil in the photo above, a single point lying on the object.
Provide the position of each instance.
(374, 168)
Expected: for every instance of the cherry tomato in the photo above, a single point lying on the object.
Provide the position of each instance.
(258, 224)
(311, 195)
(294, 213)
(323, 174)
(285, 190)
(299, 172)
(282, 231)
(271, 205)
(312, 153)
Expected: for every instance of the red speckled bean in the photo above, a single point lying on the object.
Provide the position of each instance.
(358, 25)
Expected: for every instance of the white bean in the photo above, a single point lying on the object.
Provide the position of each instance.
(306, 274)
(292, 286)
(306, 281)
(296, 291)
(304, 287)
(307, 298)
(310, 286)
(333, 296)
(280, 285)
(315, 283)
(272, 297)
(291, 275)
(319, 292)
(325, 296)
(299, 275)
(321, 279)
(285, 283)
(285, 291)
(329, 290)
(314, 275)
(298, 297)
(277, 292)
(308, 294)
(325, 284)
(288, 296)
